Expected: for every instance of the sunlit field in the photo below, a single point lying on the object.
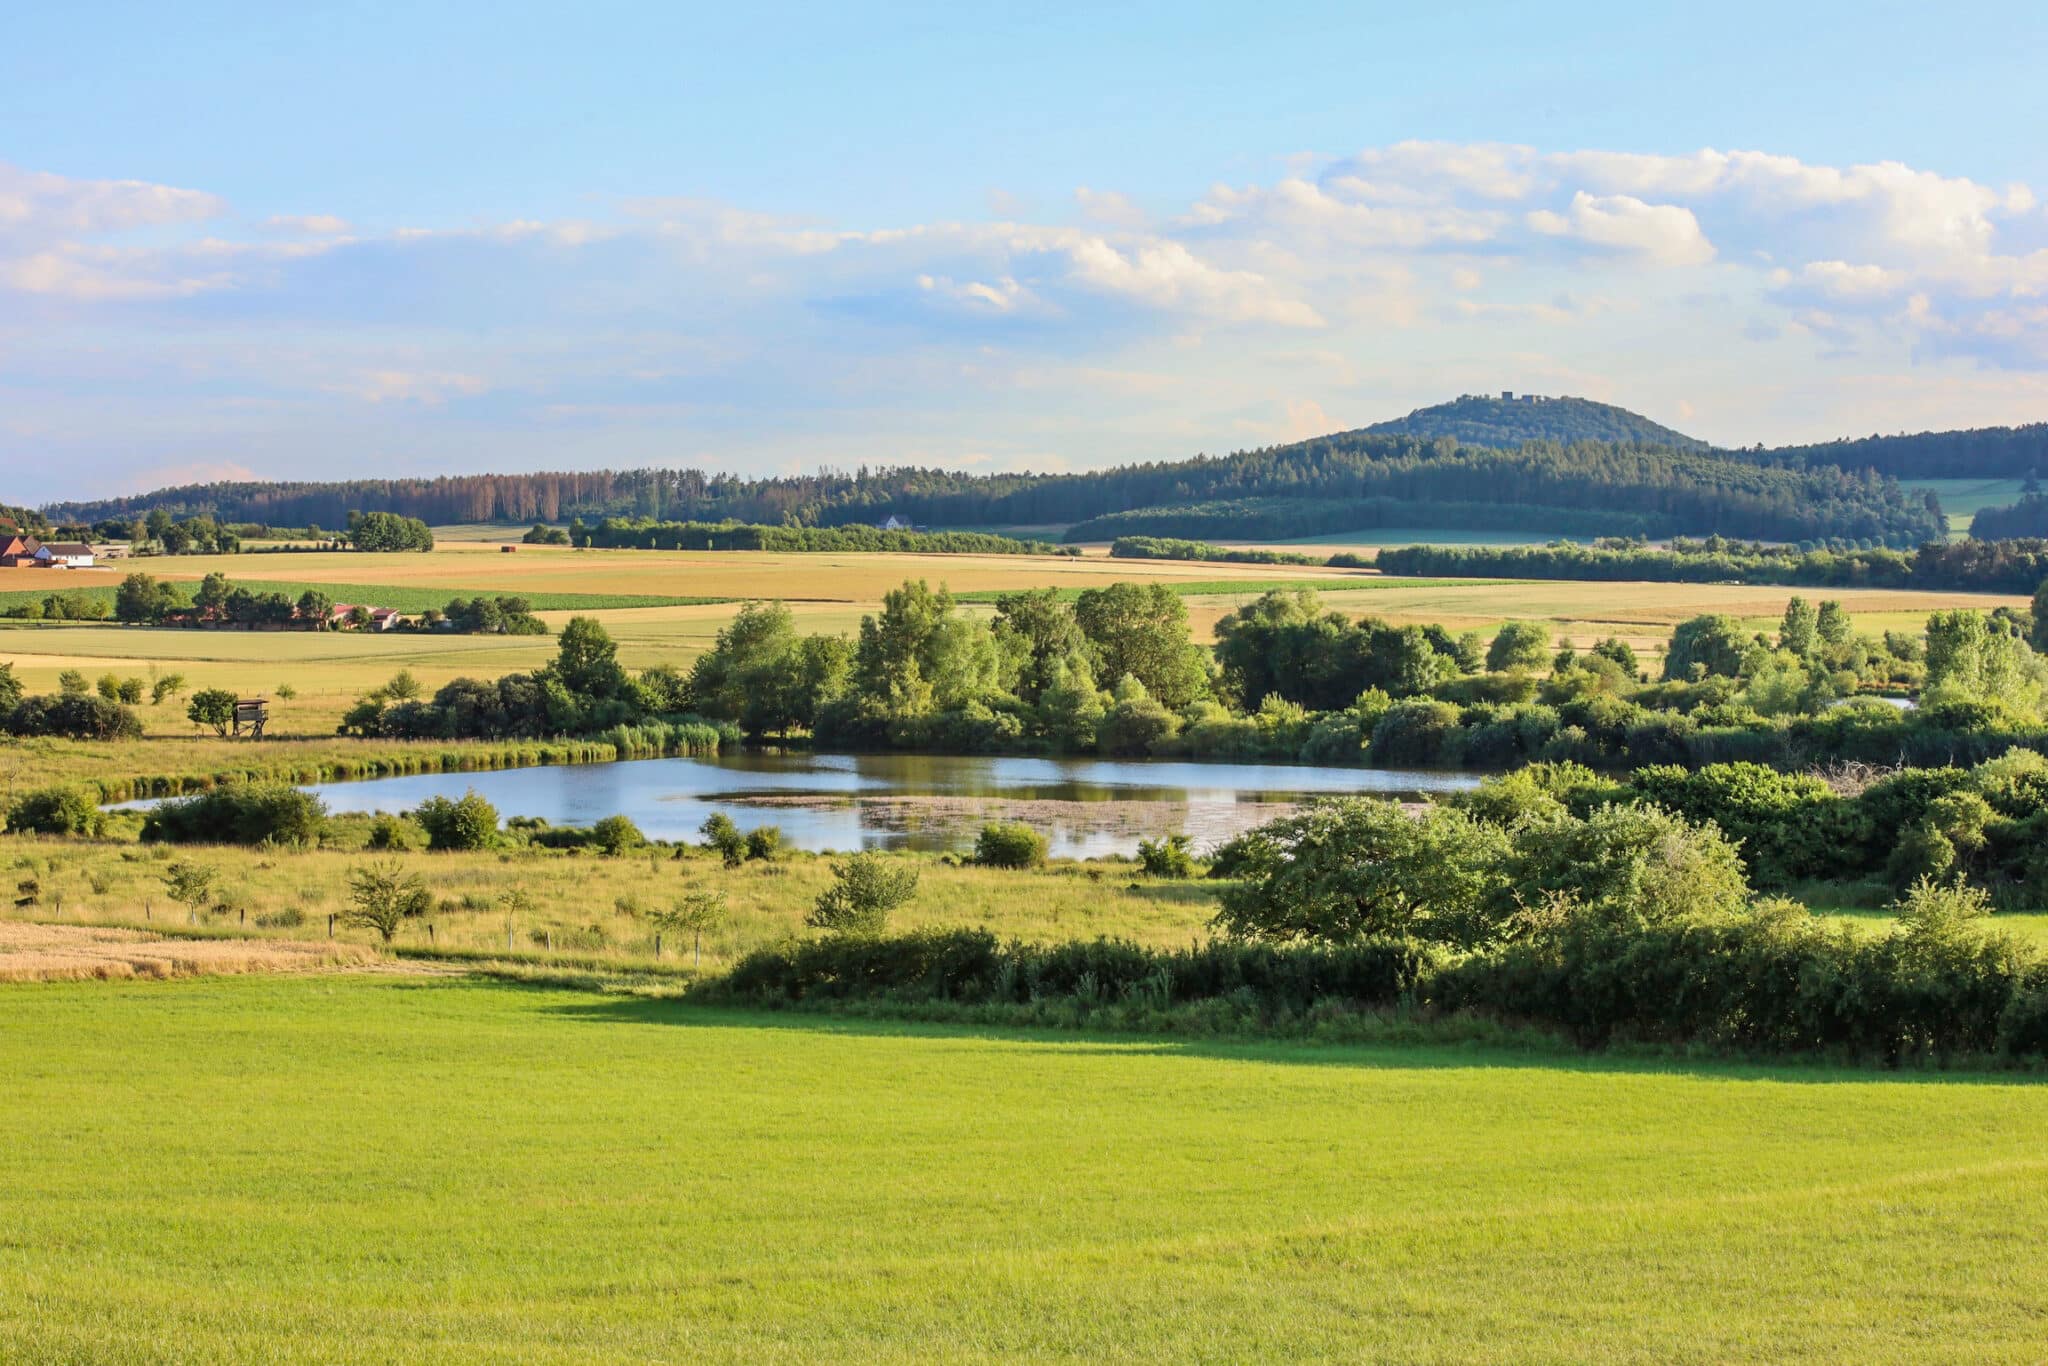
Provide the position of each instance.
(1963, 499)
(828, 593)
(588, 905)
(380, 1168)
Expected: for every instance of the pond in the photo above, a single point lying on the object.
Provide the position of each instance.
(1085, 807)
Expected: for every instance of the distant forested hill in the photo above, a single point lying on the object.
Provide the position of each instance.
(1509, 420)
(1979, 453)
(1349, 481)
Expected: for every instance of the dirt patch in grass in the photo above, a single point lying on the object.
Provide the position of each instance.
(63, 953)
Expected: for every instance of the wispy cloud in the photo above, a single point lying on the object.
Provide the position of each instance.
(1344, 289)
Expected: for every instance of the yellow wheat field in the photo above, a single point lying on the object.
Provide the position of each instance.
(69, 953)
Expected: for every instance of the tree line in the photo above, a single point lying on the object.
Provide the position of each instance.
(643, 534)
(1115, 671)
(1650, 490)
(1998, 566)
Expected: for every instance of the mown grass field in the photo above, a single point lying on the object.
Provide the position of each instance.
(1963, 499)
(380, 1168)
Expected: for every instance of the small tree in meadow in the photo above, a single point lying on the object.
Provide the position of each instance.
(721, 834)
(169, 685)
(212, 707)
(190, 885)
(695, 914)
(383, 896)
(867, 887)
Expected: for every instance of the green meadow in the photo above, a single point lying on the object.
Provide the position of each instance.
(1962, 499)
(384, 1167)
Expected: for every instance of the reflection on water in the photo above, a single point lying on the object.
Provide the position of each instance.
(920, 801)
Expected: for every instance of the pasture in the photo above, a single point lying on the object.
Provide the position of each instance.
(377, 1168)
(1962, 499)
(597, 908)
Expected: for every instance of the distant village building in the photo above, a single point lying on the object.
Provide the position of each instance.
(26, 552)
(896, 523)
(341, 617)
(65, 555)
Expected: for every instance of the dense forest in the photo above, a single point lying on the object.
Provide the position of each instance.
(634, 533)
(1978, 453)
(2002, 566)
(1508, 421)
(1543, 486)
(2027, 517)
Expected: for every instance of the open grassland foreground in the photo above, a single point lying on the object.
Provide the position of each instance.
(384, 1169)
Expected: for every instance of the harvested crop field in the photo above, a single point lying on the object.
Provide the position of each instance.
(67, 953)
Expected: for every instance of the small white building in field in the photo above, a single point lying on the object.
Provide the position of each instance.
(65, 555)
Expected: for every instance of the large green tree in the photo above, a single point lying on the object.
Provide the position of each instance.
(1141, 631)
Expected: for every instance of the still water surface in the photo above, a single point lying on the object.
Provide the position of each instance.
(845, 801)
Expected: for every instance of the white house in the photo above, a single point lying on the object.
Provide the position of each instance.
(65, 555)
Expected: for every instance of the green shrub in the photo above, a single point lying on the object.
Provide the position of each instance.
(388, 832)
(467, 823)
(56, 811)
(615, 835)
(764, 842)
(77, 715)
(1009, 844)
(866, 887)
(1168, 857)
(1358, 867)
(240, 813)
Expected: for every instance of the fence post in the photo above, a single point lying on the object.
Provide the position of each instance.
(551, 941)
(241, 915)
(657, 946)
(330, 927)
(430, 934)
(145, 911)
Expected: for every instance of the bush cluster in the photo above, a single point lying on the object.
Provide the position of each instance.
(1779, 982)
(1010, 844)
(56, 811)
(240, 813)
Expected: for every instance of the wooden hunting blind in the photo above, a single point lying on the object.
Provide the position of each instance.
(252, 712)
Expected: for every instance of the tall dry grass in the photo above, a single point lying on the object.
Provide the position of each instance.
(32, 952)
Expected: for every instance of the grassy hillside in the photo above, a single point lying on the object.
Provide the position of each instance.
(1963, 499)
(414, 1168)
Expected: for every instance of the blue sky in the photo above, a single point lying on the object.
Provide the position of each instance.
(308, 241)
